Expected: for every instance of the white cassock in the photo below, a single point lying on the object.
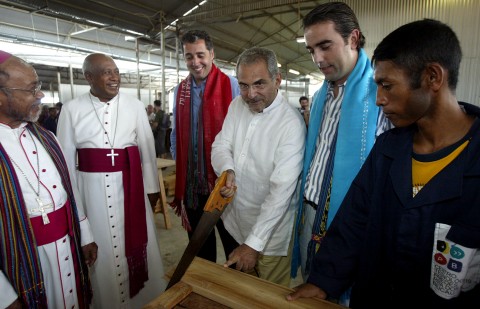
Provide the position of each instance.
(56, 257)
(125, 122)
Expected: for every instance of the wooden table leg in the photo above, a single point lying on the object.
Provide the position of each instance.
(162, 202)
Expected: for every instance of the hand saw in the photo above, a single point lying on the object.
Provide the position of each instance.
(211, 213)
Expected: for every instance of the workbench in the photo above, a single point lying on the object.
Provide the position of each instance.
(210, 285)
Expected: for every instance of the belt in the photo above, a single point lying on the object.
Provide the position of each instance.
(312, 204)
(53, 231)
(99, 160)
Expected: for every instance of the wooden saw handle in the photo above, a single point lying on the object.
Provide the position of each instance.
(216, 200)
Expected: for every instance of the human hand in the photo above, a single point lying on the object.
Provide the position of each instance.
(307, 290)
(230, 187)
(244, 256)
(17, 304)
(90, 253)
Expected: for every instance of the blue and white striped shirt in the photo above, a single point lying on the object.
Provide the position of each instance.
(324, 143)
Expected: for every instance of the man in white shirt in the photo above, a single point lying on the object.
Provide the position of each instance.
(261, 145)
(46, 242)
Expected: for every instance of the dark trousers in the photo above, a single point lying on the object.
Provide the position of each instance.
(229, 243)
(209, 248)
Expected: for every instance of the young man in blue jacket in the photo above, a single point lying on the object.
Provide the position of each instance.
(408, 228)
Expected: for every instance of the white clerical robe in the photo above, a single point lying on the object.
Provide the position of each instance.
(56, 258)
(85, 122)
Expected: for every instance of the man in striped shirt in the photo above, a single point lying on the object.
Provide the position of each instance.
(344, 121)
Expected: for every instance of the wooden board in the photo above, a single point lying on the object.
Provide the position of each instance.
(232, 289)
(196, 301)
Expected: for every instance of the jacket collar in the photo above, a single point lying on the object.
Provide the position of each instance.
(447, 184)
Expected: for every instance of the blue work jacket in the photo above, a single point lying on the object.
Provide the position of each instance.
(381, 240)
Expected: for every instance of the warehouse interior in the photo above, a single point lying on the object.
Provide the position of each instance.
(143, 37)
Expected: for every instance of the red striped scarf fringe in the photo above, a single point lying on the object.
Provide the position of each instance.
(19, 259)
(50, 143)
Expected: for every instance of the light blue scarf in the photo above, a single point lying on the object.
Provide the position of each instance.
(356, 136)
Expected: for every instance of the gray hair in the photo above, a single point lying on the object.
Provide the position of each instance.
(256, 54)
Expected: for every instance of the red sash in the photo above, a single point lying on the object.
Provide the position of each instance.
(93, 160)
(56, 229)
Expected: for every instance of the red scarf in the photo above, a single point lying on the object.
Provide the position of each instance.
(216, 99)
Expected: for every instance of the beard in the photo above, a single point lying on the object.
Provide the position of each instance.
(18, 115)
(35, 115)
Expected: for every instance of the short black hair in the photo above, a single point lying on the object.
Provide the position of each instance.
(302, 98)
(157, 103)
(192, 36)
(340, 14)
(414, 45)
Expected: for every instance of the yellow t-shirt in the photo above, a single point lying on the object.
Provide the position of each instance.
(423, 171)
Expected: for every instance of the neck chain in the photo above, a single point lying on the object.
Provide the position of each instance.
(111, 143)
(112, 153)
(42, 207)
(37, 192)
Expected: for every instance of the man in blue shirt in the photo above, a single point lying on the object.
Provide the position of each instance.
(200, 105)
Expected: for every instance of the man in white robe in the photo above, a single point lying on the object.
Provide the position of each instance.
(102, 126)
(40, 255)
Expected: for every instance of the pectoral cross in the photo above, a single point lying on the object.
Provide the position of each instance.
(113, 155)
(42, 209)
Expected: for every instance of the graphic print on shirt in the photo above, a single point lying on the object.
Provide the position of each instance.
(455, 268)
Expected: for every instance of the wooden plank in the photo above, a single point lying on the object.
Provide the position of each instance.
(196, 301)
(235, 289)
(171, 297)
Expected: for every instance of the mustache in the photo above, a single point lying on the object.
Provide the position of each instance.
(253, 101)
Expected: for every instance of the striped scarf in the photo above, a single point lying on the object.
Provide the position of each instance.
(356, 136)
(319, 227)
(216, 100)
(19, 258)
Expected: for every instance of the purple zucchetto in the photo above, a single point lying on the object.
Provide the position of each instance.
(4, 56)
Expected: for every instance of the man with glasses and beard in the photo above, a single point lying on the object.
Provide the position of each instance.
(46, 241)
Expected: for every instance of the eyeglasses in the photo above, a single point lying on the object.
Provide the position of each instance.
(33, 91)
